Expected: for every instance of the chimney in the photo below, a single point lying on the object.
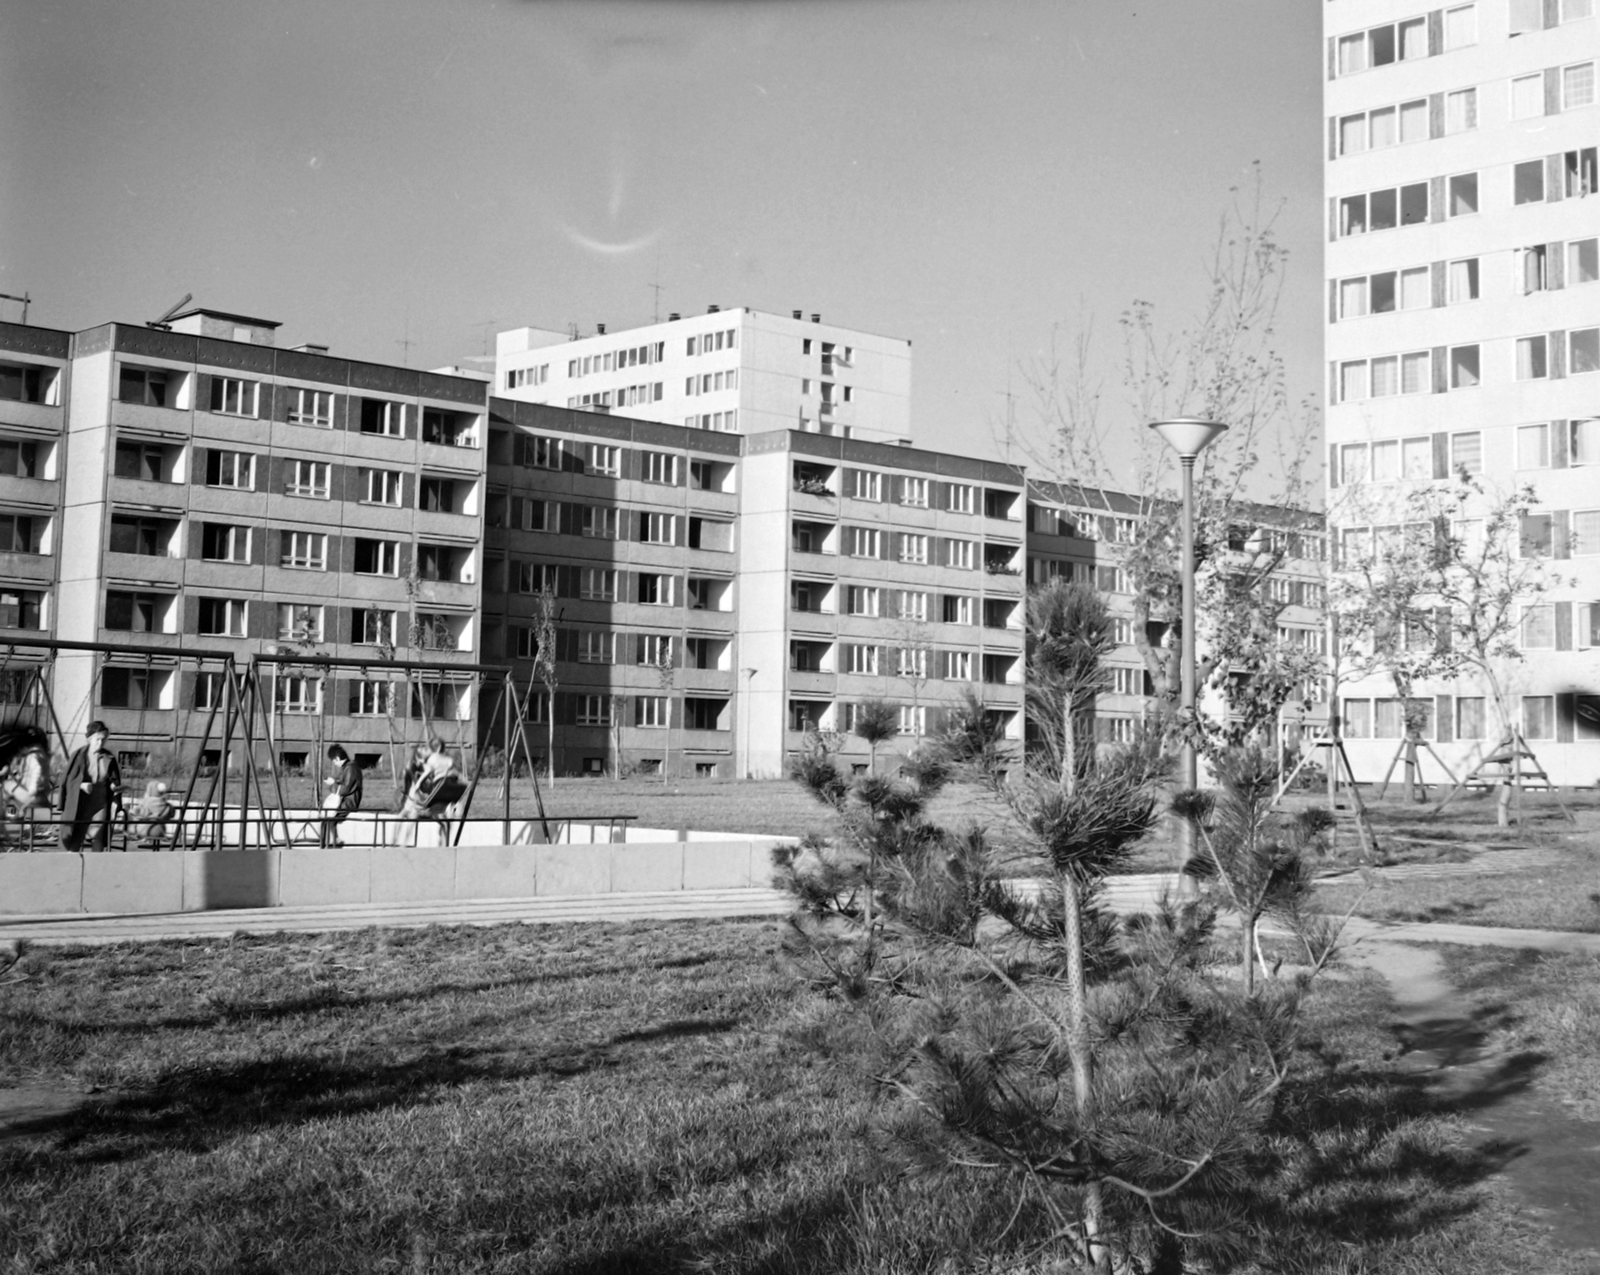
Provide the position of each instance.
(311, 347)
(799, 314)
(712, 309)
(599, 329)
(674, 317)
(816, 318)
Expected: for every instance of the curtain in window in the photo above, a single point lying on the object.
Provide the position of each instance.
(1352, 53)
(1416, 459)
(1414, 373)
(1385, 376)
(1461, 111)
(1381, 128)
(1577, 86)
(1584, 351)
(1385, 456)
(1539, 716)
(1352, 382)
(1352, 134)
(1583, 261)
(1352, 463)
(1461, 26)
(1586, 443)
(1586, 532)
(1531, 364)
(1463, 280)
(1352, 298)
(1527, 96)
(1414, 290)
(1414, 121)
(1466, 452)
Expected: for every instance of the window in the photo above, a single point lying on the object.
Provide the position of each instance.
(1585, 440)
(222, 617)
(1527, 182)
(1532, 363)
(295, 695)
(210, 691)
(593, 710)
(384, 418)
(1358, 719)
(436, 495)
(655, 650)
(914, 492)
(439, 562)
(1583, 261)
(605, 460)
(956, 666)
(598, 523)
(22, 609)
(131, 688)
(1384, 209)
(1469, 717)
(21, 533)
(599, 584)
(658, 529)
(1577, 86)
(534, 452)
(1463, 367)
(861, 658)
(230, 469)
(147, 385)
(377, 557)
(1466, 452)
(1527, 96)
(371, 699)
(371, 627)
(1585, 538)
(659, 467)
(1463, 281)
(597, 646)
(1533, 446)
(306, 478)
(1583, 351)
(232, 397)
(381, 487)
(862, 542)
(657, 590)
(1460, 112)
(913, 605)
(446, 429)
(652, 712)
(957, 608)
(861, 600)
(146, 536)
(1579, 175)
(312, 407)
(220, 542)
(961, 554)
(1533, 269)
(1538, 628)
(132, 612)
(1463, 196)
(865, 484)
(303, 550)
(21, 460)
(1539, 716)
(961, 498)
(299, 623)
(1460, 26)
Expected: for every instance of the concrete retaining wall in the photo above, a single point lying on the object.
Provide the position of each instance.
(145, 882)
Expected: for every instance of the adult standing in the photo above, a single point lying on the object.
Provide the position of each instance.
(90, 790)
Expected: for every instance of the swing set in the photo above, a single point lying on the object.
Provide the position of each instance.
(241, 698)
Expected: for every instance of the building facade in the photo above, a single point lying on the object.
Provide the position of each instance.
(1463, 327)
(737, 371)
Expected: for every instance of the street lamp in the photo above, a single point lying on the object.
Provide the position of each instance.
(744, 735)
(1188, 437)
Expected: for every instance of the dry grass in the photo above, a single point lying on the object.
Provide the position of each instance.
(595, 1099)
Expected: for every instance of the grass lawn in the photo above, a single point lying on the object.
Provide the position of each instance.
(598, 1099)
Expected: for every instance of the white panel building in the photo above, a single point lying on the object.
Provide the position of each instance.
(1463, 325)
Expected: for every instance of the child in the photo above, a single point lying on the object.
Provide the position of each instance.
(153, 812)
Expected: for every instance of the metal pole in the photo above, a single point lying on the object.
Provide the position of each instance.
(1188, 777)
(506, 698)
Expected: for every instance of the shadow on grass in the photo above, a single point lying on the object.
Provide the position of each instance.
(198, 1108)
(331, 996)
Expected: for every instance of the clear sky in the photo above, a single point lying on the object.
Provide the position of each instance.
(375, 172)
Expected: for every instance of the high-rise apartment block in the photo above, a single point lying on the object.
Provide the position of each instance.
(737, 371)
(1463, 327)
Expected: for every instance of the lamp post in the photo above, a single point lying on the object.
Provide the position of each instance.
(744, 735)
(1188, 436)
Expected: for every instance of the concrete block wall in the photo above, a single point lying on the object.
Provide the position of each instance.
(148, 882)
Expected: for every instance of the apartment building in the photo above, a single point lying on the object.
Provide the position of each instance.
(723, 598)
(199, 487)
(1076, 533)
(736, 371)
(1463, 326)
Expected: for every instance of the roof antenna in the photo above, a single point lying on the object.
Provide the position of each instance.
(156, 323)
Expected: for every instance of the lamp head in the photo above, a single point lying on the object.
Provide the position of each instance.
(1188, 435)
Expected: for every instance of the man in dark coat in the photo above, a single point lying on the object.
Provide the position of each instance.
(345, 797)
(90, 791)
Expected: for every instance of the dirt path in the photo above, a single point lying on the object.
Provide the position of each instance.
(1553, 1167)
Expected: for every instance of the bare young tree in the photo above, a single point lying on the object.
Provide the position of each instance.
(1224, 365)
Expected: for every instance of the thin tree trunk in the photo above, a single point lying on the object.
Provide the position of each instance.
(1082, 1063)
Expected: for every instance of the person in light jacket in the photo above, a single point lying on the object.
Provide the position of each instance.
(90, 791)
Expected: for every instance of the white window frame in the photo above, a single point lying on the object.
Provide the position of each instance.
(303, 551)
(234, 396)
(313, 408)
(308, 479)
(597, 646)
(312, 631)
